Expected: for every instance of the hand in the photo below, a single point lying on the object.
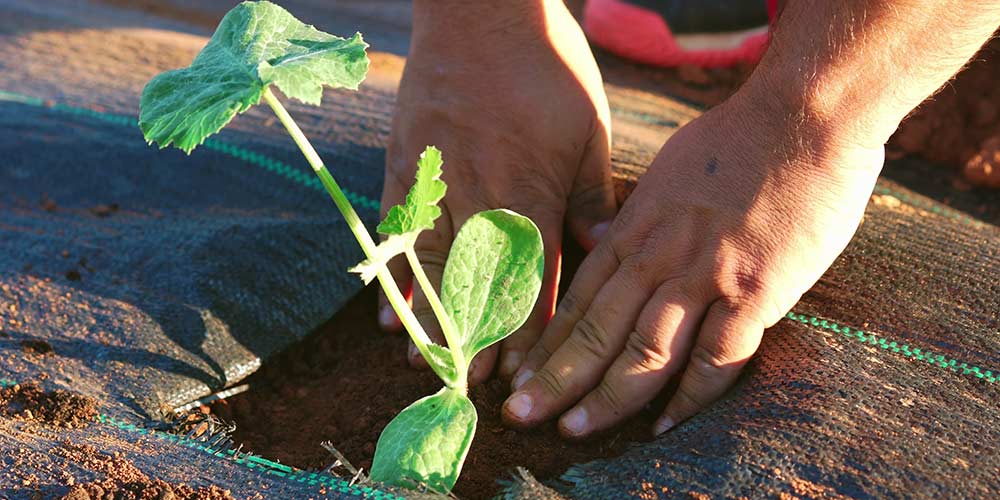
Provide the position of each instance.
(514, 100)
(740, 213)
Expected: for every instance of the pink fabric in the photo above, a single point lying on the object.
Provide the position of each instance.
(643, 36)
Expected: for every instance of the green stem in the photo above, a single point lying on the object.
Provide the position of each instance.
(447, 327)
(396, 298)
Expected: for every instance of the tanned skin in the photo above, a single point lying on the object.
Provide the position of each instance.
(741, 212)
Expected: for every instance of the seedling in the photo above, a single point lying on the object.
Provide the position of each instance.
(494, 270)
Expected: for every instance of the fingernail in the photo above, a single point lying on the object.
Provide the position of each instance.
(511, 362)
(414, 352)
(386, 317)
(521, 378)
(598, 230)
(575, 422)
(663, 425)
(519, 405)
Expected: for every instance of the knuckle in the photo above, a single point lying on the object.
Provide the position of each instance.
(571, 304)
(591, 338)
(551, 383)
(592, 195)
(432, 259)
(645, 353)
(707, 363)
(610, 397)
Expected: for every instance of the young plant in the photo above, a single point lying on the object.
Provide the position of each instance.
(493, 272)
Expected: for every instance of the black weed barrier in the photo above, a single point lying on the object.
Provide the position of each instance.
(155, 279)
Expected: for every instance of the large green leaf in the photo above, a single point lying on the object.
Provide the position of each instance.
(492, 277)
(427, 442)
(256, 44)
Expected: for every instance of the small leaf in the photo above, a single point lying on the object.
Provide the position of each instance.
(256, 44)
(426, 443)
(492, 277)
(421, 207)
(392, 246)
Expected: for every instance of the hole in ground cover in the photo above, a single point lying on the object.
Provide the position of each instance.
(347, 380)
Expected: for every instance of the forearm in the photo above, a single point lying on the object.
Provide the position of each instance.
(857, 67)
(471, 23)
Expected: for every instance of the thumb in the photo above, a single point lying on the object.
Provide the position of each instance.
(591, 205)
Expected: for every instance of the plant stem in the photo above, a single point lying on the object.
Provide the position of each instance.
(396, 298)
(447, 327)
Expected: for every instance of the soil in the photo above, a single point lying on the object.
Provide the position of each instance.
(346, 381)
(960, 125)
(57, 407)
(123, 481)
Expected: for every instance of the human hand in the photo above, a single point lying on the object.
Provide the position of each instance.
(512, 96)
(740, 213)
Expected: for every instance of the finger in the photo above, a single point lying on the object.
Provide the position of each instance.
(592, 274)
(482, 365)
(577, 365)
(591, 205)
(654, 352)
(432, 251)
(514, 348)
(728, 338)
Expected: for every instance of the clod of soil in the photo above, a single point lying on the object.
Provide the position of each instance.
(35, 346)
(348, 380)
(57, 407)
(124, 481)
(104, 210)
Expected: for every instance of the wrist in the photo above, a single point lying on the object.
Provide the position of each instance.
(817, 110)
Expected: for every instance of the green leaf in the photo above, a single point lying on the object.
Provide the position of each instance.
(426, 443)
(441, 362)
(421, 207)
(392, 246)
(256, 44)
(492, 277)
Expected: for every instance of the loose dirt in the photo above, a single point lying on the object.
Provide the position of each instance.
(57, 407)
(123, 481)
(348, 380)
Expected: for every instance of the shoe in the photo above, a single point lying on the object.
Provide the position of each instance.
(706, 33)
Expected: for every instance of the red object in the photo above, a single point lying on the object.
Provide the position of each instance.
(642, 35)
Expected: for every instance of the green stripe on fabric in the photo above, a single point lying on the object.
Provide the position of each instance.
(296, 175)
(905, 350)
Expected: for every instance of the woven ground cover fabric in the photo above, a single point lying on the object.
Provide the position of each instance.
(158, 278)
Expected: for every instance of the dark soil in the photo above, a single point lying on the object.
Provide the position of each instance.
(348, 380)
(123, 481)
(36, 346)
(57, 407)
